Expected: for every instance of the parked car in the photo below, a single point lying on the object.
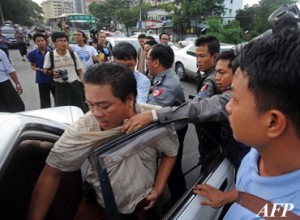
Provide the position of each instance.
(187, 41)
(27, 138)
(185, 60)
(9, 33)
(112, 41)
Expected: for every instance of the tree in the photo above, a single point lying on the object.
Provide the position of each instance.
(29, 14)
(197, 10)
(129, 17)
(255, 19)
(230, 33)
(123, 11)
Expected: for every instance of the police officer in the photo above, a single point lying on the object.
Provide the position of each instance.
(207, 49)
(167, 91)
(10, 100)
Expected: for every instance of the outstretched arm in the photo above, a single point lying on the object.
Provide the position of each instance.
(215, 198)
(44, 193)
(210, 109)
(165, 168)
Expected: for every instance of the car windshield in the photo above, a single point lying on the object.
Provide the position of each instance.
(8, 31)
(81, 25)
(135, 43)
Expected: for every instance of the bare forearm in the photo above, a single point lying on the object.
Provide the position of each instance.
(165, 168)
(44, 193)
(14, 77)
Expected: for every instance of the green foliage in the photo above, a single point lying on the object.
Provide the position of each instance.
(197, 10)
(24, 12)
(229, 33)
(120, 11)
(255, 19)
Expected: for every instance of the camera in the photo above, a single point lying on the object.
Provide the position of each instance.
(93, 33)
(64, 74)
(284, 18)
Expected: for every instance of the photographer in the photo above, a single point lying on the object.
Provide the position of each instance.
(66, 69)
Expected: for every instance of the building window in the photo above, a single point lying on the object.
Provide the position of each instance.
(231, 1)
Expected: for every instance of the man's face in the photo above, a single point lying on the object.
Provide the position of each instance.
(224, 74)
(141, 42)
(129, 63)
(246, 123)
(109, 110)
(101, 39)
(147, 48)
(78, 37)
(164, 39)
(152, 64)
(61, 43)
(40, 42)
(205, 61)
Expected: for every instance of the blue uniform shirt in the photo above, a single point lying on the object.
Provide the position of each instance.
(3, 44)
(37, 58)
(5, 67)
(143, 86)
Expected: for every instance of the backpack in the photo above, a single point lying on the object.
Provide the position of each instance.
(73, 58)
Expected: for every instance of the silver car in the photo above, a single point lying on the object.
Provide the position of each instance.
(185, 60)
(27, 137)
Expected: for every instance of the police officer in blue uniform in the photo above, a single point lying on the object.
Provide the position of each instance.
(10, 100)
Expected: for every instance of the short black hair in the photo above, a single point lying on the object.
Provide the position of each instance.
(124, 51)
(164, 54)
(273, 70)
(165, 34)
(228, 55)
(56, 35)
(36, 35)
(141, 36)
(150, 38)
(151, 43)
(118, 76)
(212, 43)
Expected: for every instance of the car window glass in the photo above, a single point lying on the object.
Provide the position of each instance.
(191, 51)
(126, 149)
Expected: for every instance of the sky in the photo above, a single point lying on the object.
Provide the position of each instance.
(249, 2)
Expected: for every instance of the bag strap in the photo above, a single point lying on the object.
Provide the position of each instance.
(51, 59)
(255, 204)
(74, 60)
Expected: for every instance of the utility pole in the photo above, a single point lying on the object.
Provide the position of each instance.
(2, 19)
(140, 16)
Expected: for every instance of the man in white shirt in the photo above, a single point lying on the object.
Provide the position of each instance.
(87, 54)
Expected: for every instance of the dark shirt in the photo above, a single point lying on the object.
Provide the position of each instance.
(37, 58)
(104, 53)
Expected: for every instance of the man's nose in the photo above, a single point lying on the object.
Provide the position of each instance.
(229, 106)
(97, 113)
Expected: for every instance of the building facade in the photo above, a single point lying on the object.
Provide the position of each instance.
(231, 6)
(53, 8)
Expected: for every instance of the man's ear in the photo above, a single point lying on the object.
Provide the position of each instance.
(277, 123)
(215, 57)
(131, 100)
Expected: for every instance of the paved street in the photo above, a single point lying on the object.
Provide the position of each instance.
(31, 99)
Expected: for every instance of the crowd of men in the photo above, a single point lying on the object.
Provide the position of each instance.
(253, 97)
